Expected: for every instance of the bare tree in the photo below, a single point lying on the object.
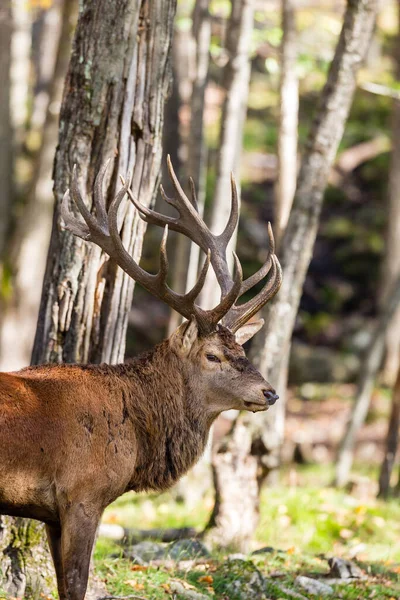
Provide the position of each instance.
(392, 441)
(288, 119)
(368, 372)
(29, 243)
(187, 254)
(271, 349)
(20, 70)
(6, 143)
(391, 261)
(112, 107)
(236, 83)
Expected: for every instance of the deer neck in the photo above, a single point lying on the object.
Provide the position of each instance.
(170, 424)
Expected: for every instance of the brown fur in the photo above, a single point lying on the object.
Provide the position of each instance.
(74, 438)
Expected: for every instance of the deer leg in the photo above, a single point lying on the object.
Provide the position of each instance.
(54, 539)
(77, 538)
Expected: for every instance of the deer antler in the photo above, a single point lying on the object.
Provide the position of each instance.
(103, 231)
(192, 225)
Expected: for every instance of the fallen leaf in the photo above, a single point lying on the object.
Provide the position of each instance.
(345, 534)
(206, 579)
(134, 584)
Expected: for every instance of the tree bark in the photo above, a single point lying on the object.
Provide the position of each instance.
(113, 105)
(392, 442)
(368, 371)
(391, 262)
(288, 119)
(30, 241)
(236, 84)
(270, 350)
(6, 142)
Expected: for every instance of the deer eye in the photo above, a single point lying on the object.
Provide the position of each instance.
(212, 358)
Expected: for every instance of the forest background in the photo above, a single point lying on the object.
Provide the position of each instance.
(245, 90)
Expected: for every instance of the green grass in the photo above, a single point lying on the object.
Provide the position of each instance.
(305, 525)
(214, 577)
(311, 518)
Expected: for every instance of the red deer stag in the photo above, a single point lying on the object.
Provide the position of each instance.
(75, 437)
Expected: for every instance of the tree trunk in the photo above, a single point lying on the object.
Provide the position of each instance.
(288, 119)
(392, 442)
(236, 83)
(113, 108)
(113, 105)
(28, 247)
(391, 263)
(187, 253)
(6, 142)
(20, 70)
(367, 376)
(270, 350)
(234, 465)
(46, 33)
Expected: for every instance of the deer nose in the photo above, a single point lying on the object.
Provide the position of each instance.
(270, 396)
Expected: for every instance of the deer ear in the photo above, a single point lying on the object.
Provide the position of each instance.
(185, 336)
(247, 331)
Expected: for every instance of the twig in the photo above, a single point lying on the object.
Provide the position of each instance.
(381, 90)
(134, 597)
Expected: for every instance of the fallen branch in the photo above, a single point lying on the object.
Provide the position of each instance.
(380, 90)
(134, 597)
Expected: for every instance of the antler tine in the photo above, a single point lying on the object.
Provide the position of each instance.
(193, 195)
(99, 200)
(163, 271)
(227, 302)
(76, 196)
(239, 315)
(118, 252)
(264, 270)
(198, 286)
(92, 230)
(149, 215)
(230, 227)
(71, 223)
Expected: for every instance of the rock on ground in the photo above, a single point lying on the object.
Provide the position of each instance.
(186, 550)
(243, 580)
(313, 586)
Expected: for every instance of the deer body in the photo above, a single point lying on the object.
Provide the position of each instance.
(75, 437)
(91, 433)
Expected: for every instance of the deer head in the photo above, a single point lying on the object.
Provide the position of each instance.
(209, 343)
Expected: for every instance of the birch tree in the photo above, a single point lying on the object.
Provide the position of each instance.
(288, 119)
(368, 372)
(187, 254)
(271, 348)
(6, 144)
(236, 78)
(391, 262)
(392, 441)
(112, 107)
